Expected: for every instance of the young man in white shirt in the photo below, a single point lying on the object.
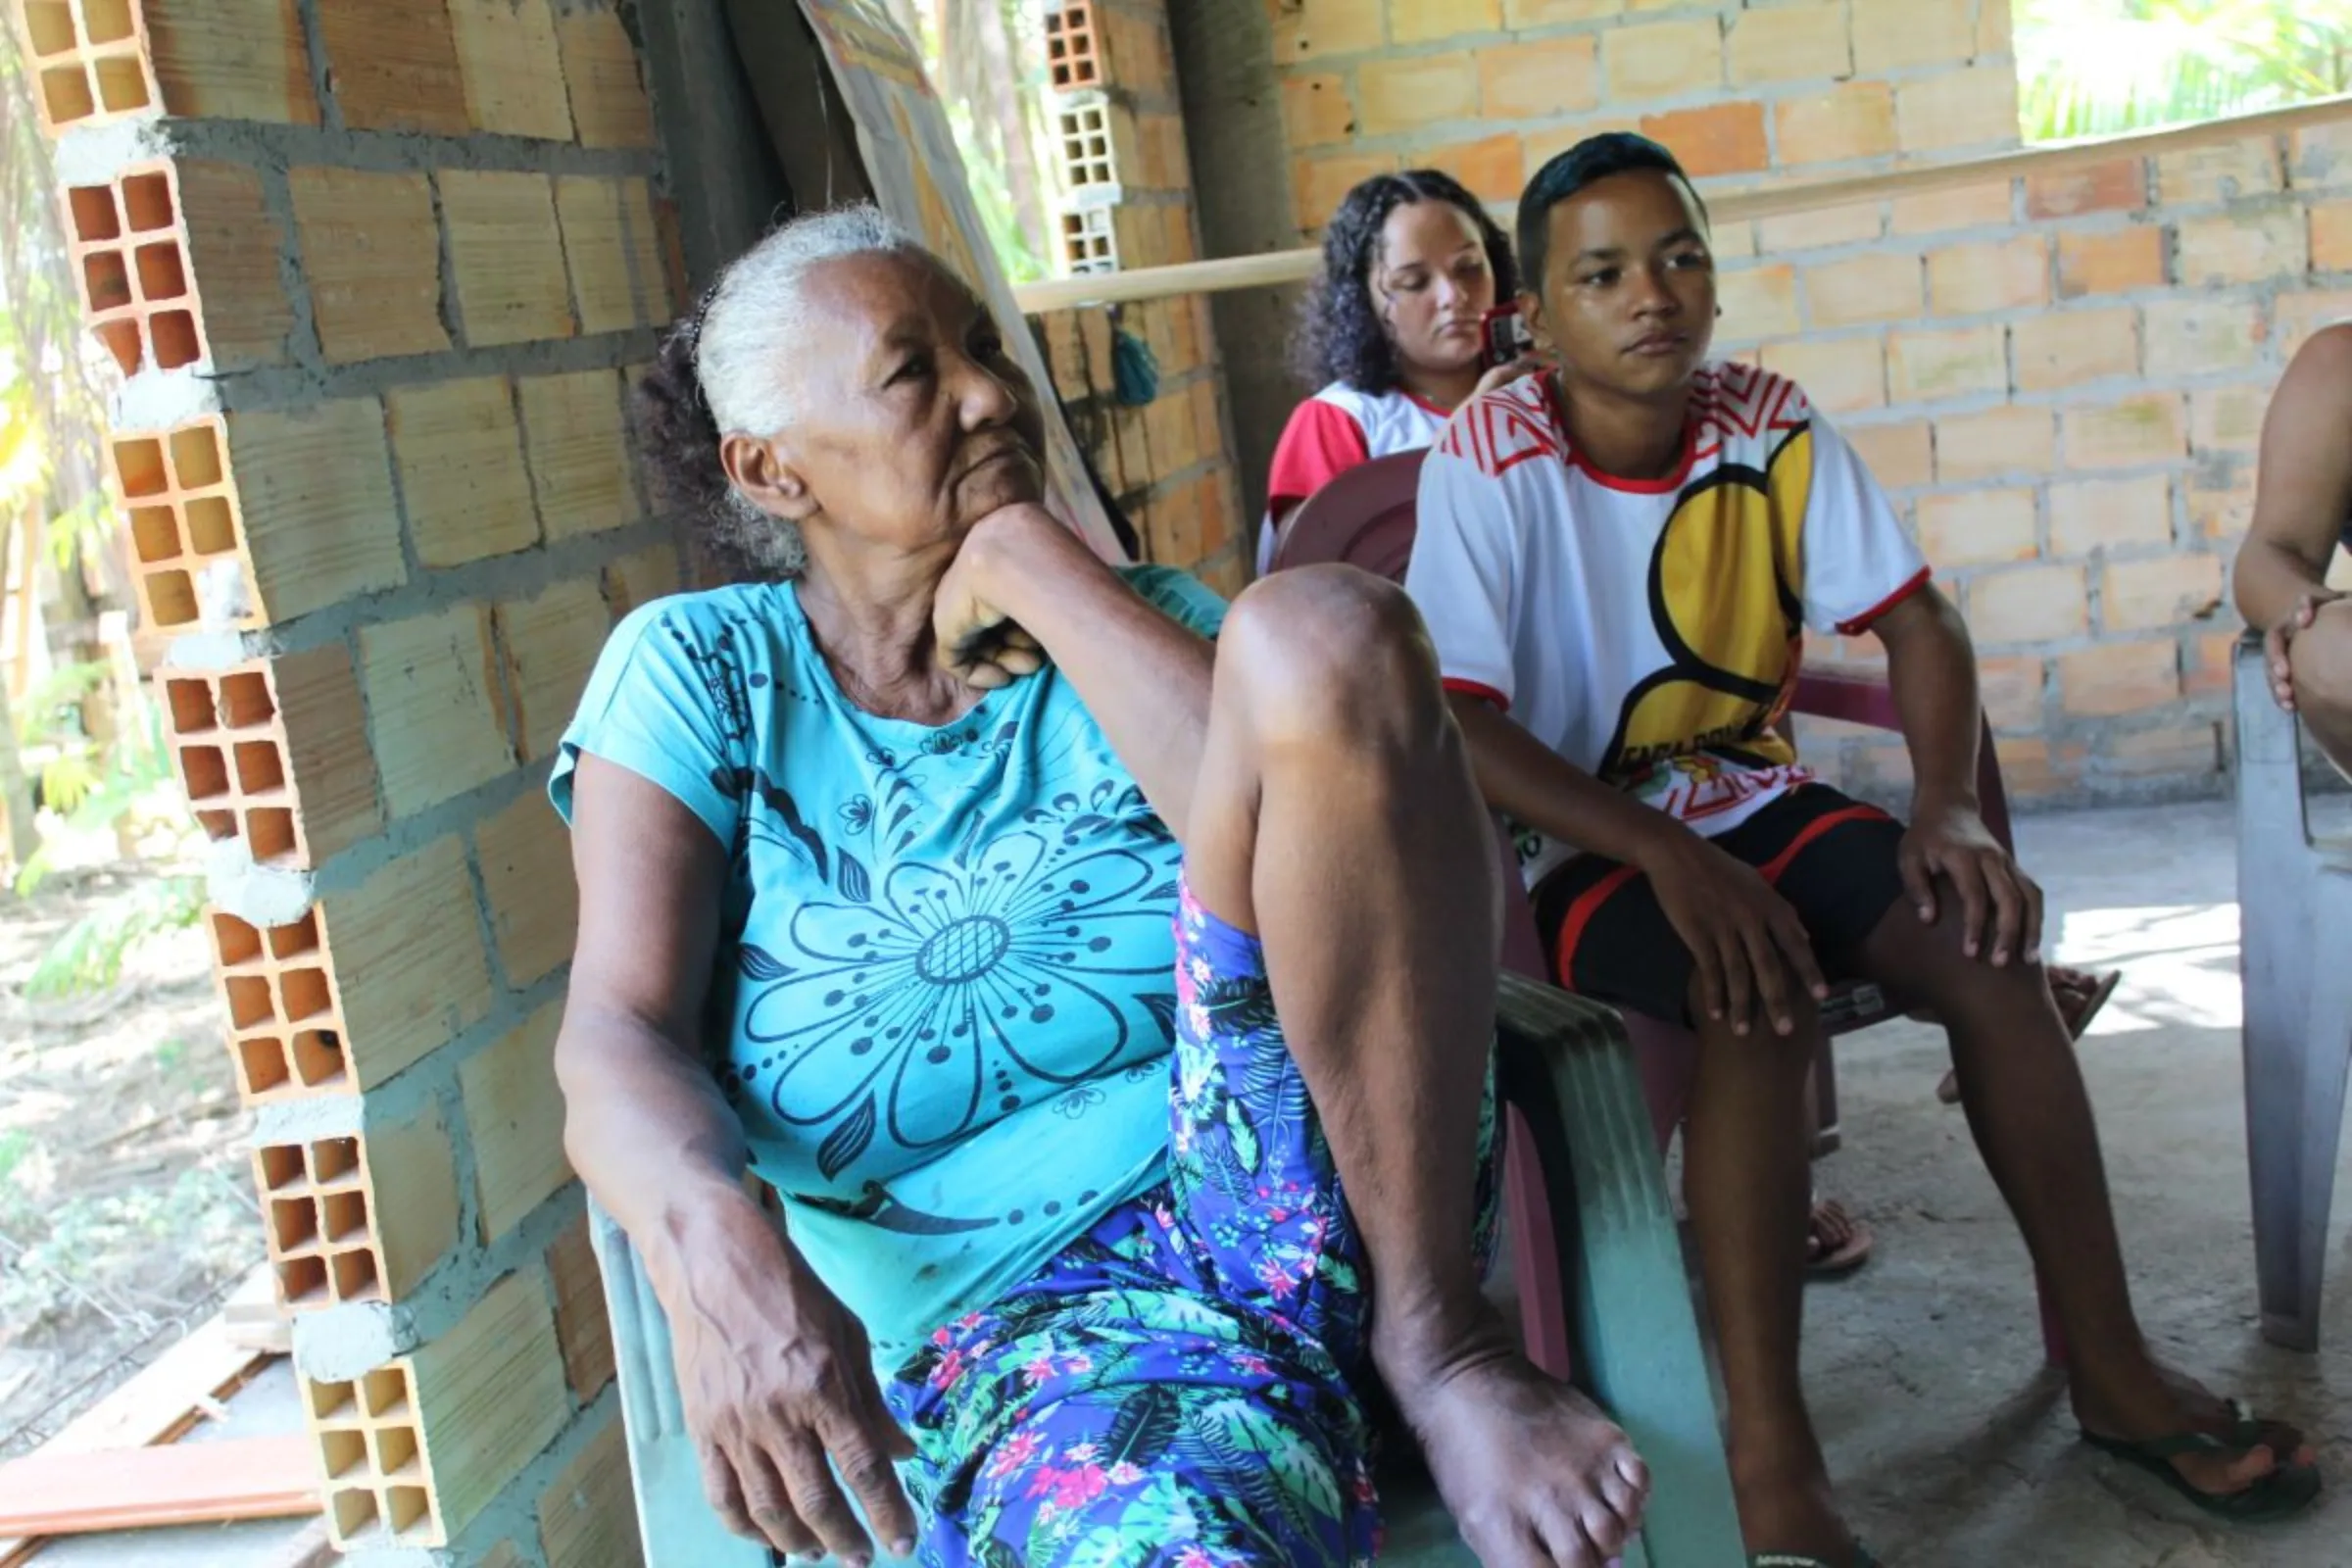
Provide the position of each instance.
(1617, 563)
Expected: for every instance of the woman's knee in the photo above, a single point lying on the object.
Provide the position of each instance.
(1332, 652)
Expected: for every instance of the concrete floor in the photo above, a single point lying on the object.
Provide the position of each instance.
(1950, 1449)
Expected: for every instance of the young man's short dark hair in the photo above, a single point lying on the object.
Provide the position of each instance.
(1595, 158)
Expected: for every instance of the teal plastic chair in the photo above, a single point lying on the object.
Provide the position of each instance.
(1591, 1246)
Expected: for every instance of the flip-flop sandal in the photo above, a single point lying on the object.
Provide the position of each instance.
(2247, 1431)
(1792, 1559)
(1844, 1258)
(2101, 990)
(2287, 1489)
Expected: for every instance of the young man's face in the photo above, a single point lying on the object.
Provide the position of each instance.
(1628, 291)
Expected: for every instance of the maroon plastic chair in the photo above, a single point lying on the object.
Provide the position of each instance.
(1366, 518)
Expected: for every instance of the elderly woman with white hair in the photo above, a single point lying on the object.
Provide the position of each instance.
(1058, 946)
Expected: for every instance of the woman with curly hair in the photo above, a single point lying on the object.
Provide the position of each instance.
(1391, 330)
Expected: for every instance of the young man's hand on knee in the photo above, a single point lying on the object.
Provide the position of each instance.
(1997, 900)
(1753, 959)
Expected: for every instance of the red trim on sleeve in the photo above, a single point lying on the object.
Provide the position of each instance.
(1862, 622)
(1319, 444)
(1479, 690)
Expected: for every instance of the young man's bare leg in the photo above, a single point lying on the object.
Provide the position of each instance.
(2026, 1106)
(1746, 1178)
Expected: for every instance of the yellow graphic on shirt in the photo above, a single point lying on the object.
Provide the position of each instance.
(1725, 600)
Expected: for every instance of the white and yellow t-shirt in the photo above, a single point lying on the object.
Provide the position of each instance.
(1650, 633)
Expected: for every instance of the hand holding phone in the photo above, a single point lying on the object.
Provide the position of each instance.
(1503, 336)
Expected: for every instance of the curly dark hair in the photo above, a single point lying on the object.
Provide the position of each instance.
(677, 441)
(1341, 337)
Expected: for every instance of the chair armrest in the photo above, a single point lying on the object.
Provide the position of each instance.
(2271, 811)
(1565, 1066)
(1853, 699)
(1869, 700)
(676, 1522)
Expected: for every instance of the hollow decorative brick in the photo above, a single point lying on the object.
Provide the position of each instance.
(414, 1451)
(178, 263)
(1073, 55)
(357, 1218)
(285, 1025)
(131, 256)
(187, 540)
(274, 753)
(95, 60)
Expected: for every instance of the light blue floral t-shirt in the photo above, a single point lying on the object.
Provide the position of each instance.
(945, 987)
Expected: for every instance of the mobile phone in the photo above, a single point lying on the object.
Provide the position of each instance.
(1503, 336)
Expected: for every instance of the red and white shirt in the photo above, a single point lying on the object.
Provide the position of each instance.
(1333, 431)
(1650, 631)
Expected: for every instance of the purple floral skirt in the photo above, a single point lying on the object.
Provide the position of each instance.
(1180, 1385)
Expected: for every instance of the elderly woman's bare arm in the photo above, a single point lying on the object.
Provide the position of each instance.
(645, 1124)
(1143, 676)
(773, 1372)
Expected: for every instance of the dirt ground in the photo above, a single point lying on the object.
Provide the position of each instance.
(126, 1207)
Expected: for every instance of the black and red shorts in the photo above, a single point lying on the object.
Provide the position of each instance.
(1831, 858)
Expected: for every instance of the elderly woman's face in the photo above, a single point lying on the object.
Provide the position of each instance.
(918, 423)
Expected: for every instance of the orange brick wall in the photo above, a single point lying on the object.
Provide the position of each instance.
(1168, 461)
(374, 278)
(2060, 380)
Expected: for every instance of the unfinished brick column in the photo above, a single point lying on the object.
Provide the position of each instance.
(1113, 100)
(376, 276)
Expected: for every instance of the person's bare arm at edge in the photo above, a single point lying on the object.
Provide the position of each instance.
(1931, 669)
(2302, 502)
(774, 1373)
(1747, 944)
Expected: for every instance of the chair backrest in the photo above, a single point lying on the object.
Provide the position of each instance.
(1364, 518)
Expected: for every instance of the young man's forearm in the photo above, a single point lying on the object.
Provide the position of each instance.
(1530, 783)
(1931, 669)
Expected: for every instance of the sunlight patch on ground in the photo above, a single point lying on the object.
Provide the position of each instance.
(2179, 963)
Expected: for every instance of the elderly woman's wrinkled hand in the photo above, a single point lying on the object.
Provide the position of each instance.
(975, 635)
(777, 1382)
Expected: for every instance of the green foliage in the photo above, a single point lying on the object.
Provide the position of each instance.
(89, 956)
(2098, 67)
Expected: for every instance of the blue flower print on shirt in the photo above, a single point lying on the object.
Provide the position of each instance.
(906, 1010)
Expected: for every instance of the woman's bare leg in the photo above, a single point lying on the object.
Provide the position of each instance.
(1336, 816)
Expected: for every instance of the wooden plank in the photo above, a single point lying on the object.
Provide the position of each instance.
(155, 1405)
(1290, 266)
(130, 1488)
